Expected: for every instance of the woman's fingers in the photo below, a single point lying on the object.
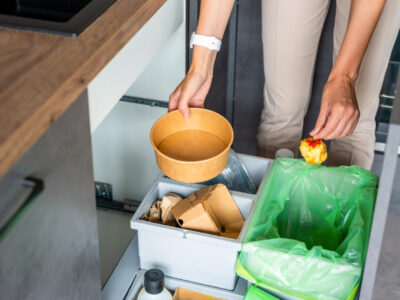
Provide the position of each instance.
(328, 128)
(353, 124)
(191, 92)
(341, 122)
(190, 88)
(183, 105)
(322, 118)
(174, 99)
(349, 127)
(339, 129)
(339, 110)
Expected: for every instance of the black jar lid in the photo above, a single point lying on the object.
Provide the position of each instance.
(154, 281)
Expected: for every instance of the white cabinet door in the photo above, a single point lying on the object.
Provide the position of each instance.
(165, 72)
(122, 152)
(114, 80)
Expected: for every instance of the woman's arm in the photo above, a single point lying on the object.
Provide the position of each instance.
(339, 111)
(192, 91)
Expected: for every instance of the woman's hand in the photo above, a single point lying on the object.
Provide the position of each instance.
(191, 92)
(339, 111)
(193, 89)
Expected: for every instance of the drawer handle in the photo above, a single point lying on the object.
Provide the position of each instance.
(37, 187)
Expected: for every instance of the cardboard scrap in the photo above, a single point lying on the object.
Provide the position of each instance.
(166, 205)
(211, 210)
(184, 294)
(160, 212)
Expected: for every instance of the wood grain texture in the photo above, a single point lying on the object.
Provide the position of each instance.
(42, 74)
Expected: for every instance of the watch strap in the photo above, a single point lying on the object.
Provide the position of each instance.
(209, 42)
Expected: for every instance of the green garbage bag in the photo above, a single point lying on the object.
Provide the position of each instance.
(309, 232)
(254, 293)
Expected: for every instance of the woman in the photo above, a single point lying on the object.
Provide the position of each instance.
(364, 35)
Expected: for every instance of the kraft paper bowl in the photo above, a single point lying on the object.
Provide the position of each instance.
(204, 139)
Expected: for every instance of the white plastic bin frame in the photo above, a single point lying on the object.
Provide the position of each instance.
(185, 246)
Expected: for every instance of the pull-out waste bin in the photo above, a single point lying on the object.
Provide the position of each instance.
(309, 232)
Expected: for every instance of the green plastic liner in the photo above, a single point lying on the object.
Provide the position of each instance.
(254, 293)
(309, 232)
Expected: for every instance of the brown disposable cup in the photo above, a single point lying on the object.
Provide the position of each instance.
(192, 170)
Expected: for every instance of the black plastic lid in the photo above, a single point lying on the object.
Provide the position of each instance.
(154, 281)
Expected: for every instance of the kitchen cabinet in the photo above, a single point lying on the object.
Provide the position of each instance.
(165, 71)
(114, 80)
(122, 153)
(148, 67)
(50, 250)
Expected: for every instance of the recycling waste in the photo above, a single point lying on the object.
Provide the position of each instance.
(211, 210)
(309, 232)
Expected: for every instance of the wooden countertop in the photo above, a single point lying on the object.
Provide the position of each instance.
(42, 74)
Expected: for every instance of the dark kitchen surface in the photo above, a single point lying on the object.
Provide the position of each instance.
(66, 17)
(59, 11)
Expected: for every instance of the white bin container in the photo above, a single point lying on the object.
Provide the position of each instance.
(191, 255)
(172, 284)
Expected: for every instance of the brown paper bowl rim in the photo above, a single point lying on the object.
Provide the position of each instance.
(193, 161)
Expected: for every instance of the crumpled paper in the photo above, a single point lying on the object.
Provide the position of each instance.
(161, 213)
(313, 151)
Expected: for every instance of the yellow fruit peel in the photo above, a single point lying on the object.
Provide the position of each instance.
(313, 151)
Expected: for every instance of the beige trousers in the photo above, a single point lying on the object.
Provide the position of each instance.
(291, 31)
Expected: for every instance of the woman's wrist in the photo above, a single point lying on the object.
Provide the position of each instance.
(203, 59)
(344, 68)
(347, 75)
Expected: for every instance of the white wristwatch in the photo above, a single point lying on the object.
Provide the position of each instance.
(210, 42)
